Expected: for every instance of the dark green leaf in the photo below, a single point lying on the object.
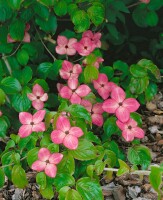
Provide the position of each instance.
(2, 178)
(10, 85)
(138, 71)
(22, 57)
(32, 156)
(15, 4)
(2, 97)
(60, 8)
(17, 30)
(151, 91)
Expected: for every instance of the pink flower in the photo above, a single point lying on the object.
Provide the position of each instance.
(1, 113)
(73, 92)
(119, 105)
(31, 123)
(95, 111)
(103, 87)
(59, 86)
(47, 162)
(69, 71)
(65, 46)
(95, 38)
(26, 36)
(85, 46)
(96, 63)
(66, 134)
(145, 1)
(130, 130)
(38, 97)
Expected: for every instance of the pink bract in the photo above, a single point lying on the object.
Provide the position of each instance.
(130, 130)
(103, 87)
(95, 38)
(47, 162)
(85, 46)
(73, 92)
(38, 97)
(95, 64)
(65, 134)
(1, 113)
(31, 123)
(119, 105)
(69, 70)
(145, 1)
(65, 46)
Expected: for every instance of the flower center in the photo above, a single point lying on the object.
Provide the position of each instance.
(71, 71)
(67, 132)
(38, 97)
(102, 85)
(85, 47)
(66, 46)
(129, 127)
(73, 90)
(92, 112)
(120, 104)
(32, 123)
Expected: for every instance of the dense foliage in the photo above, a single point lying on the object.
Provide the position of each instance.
(72, 76)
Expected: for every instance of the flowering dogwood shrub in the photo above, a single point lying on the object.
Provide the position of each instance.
(63, 110)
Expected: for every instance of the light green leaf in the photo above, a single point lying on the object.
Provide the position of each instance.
(90, 74)
(32, 156)
(19, 178)
(73, 195)
(155, 178)
(41, 180)
(89, 189)
(2, 178)
(60, 8)
(124, 168)
(2, 97)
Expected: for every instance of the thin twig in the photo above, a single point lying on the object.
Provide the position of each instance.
(135, 4)
(44, 44)
(78, 59)
(7, 63)
(50, 39)
(14, 51)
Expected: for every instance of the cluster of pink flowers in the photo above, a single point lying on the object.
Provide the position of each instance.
(113, 101)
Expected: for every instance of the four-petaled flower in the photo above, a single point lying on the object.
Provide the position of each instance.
(38, 97)
(130, 130)
(95, 38)
(65, 46)
(26, 36)
(47, 162)
(69, 70)
(31, 123)
(103, 87)
(65, 134)
(119, 105)
(85, 46)
(95, 111)
(73, 92)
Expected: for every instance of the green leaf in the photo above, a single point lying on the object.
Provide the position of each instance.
(60, 8)
(96, 13)
(63, 179)
(15, 4)
(90, 74)
(42, 83)
(43, 69)
(152, 18)
(19, 178)
(138, 85)
(49, 25)
(5, 11)
(67, 164)
(47, 2)
(41, 10)
(90, 170)
(2, 178)
(17, 29)
(121, 66)
(155, 178)
(139, 155)
(89, 189)
(22, 57)
(32, 156)
(2, 97)
(137, 118)
(110, 127)
(41, 180)
(62, 192)
(53, 148)
(85, 151)
(92, 138)
(137, 71)
(108, 71)
(24, 75)
(151, 91)
(78, 111)
(7, 159)
(139, 16)
(73, 195)
(124, 168)
(99, 167)
(48, 192)
(3, 127)
(20, 102)
(10, 85)
(81, 21)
